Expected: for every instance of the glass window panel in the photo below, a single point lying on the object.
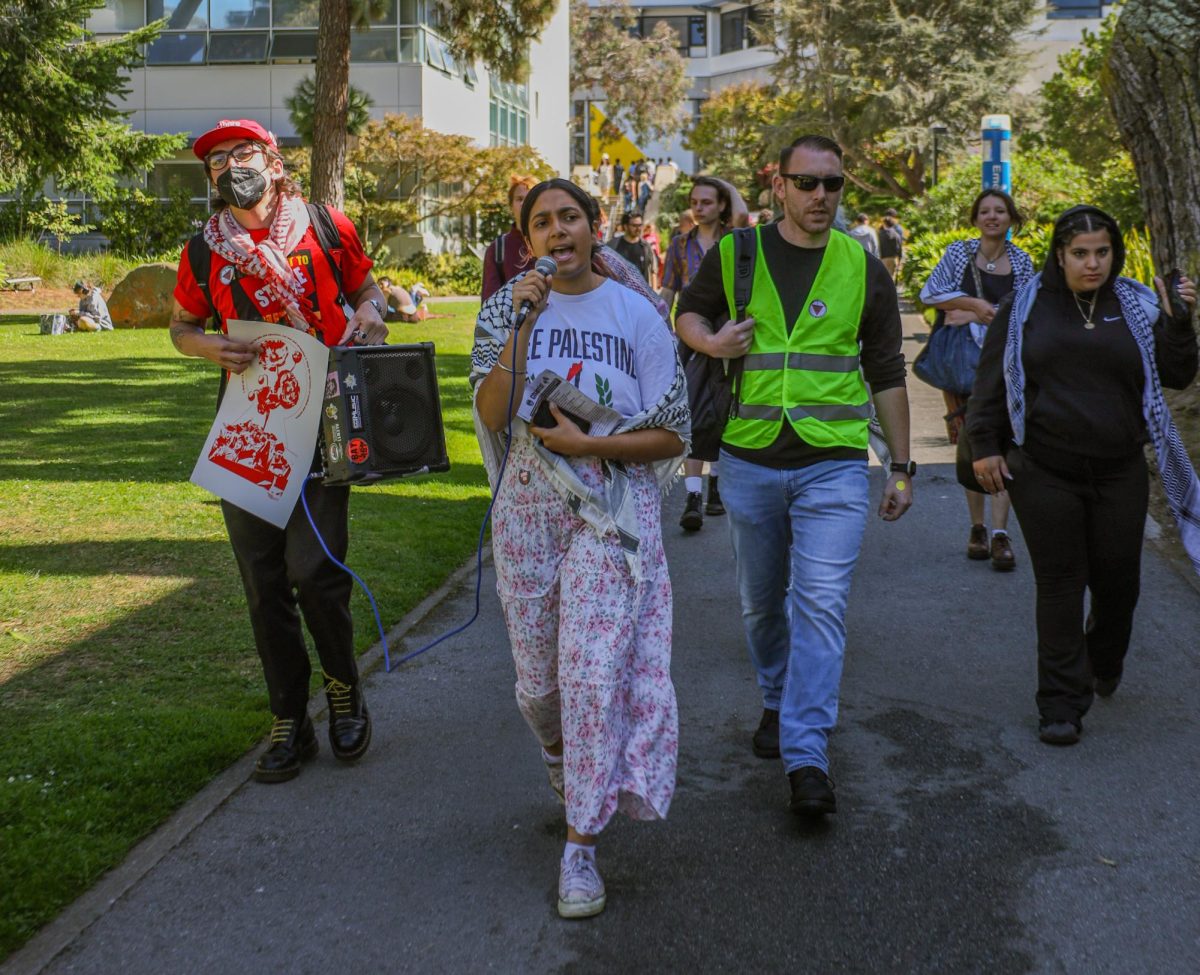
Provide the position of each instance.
(118, 15)
(697, 31)
(434, 52)
(168, 177)
(387, 16)
(296, 13)
(493, 117)
(227, 47)
(523, 137)
(410, 12)
(512, 126)
(180, 14)
(733, 31)
(177, 49)
(294, 46)
(410, 45)
(451, 62)
(1063, 9)
(470, 76)
(239, 14)
(678, 25)
(374, 45)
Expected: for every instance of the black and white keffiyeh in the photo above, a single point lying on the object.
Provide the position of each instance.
(1140, 308)
(945, 283)
(612, 510)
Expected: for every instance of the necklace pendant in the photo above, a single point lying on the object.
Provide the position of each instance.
(1089, 324)
(990, 266)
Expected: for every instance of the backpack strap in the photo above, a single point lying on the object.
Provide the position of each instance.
(199, 257)
(745, 256)
(498, 255)
(329, 239)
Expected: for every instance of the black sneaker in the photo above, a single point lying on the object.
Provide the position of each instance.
(349, 721)
(812, 792)
(714, 506)
(766, 738)
(292, 742)
(692, 518)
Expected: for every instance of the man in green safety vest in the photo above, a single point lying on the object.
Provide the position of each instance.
(820, 338)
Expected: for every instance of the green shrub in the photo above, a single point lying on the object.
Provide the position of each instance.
(137, 223)
(443, 274)
(25, 257)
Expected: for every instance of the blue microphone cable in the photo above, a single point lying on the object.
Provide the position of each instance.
(387, 660)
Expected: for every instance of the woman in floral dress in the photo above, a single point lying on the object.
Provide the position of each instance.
(576, 528)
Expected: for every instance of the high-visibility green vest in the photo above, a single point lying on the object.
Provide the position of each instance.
(811, 375)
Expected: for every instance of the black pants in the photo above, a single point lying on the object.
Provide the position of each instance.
(283, 568)
(1083, 526)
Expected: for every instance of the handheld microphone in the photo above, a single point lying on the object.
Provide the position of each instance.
(546, 266)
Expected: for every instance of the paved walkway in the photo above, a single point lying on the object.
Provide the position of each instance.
(962, 844)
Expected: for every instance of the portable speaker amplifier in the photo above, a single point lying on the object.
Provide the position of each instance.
(382, 416)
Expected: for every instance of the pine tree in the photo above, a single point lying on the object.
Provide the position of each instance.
(59, 117)
(876, 74)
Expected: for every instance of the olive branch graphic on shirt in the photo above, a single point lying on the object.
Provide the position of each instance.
(603, 391)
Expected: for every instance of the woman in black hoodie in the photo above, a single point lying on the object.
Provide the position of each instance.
(1068, 391)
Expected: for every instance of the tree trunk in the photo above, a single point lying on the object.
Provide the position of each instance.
(1152, 80)
(330, 104)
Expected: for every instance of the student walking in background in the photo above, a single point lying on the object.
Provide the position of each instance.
(969, 282)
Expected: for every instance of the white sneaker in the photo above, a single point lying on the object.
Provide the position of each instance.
(554, 771)
(580, 889)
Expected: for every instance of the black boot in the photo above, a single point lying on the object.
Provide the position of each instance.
(714, 506)
(349, 722)
(692, 518)
(292, 742)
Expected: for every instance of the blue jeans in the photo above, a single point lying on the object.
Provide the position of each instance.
(796, 536)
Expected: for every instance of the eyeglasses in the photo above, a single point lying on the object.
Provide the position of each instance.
(806, 184)
(241, 153)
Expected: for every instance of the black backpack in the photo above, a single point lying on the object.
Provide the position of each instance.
(200, 255)
(713, 384)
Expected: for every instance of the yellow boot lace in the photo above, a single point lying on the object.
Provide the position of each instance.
(338, 694)
(280, 729)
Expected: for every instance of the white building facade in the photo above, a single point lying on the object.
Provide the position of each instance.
(718, 41)
(242, 58)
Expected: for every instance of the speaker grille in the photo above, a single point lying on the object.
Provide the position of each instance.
(400, 406)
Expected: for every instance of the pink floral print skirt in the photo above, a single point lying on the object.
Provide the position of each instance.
(592, 646)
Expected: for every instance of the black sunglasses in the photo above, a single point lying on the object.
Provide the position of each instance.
(807, 184)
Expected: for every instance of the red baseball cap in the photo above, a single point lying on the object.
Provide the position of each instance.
(238, 128)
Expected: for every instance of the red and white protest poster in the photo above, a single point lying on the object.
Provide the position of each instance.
(261, 444)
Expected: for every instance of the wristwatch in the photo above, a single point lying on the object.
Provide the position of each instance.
(909, 468)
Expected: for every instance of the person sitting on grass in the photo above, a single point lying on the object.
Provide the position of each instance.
(404, 305)
(92, 314)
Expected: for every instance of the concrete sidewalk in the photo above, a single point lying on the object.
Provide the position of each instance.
(962, 844)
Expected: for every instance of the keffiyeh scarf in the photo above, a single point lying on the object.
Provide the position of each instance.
(612, 509)
(267, 260)
(1140, 309)
(945, 283)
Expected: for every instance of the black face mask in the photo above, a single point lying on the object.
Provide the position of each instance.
(241, 187)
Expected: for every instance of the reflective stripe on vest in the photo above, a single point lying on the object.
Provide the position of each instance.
(810, 374)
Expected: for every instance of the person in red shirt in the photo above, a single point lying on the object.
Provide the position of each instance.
(265, 255)
(508, 255)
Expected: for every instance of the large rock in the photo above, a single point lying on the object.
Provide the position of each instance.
(143, 298)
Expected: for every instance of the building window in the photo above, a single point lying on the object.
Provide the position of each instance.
(178, 48)
(295, 13)
(238, 14)
(1062, 9)
(508, 113)
(294, 45)
(117, 16)
(170, 176)
(698, 36)
(230, 47)
(738, 27)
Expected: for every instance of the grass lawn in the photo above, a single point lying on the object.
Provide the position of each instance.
(128, 675)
